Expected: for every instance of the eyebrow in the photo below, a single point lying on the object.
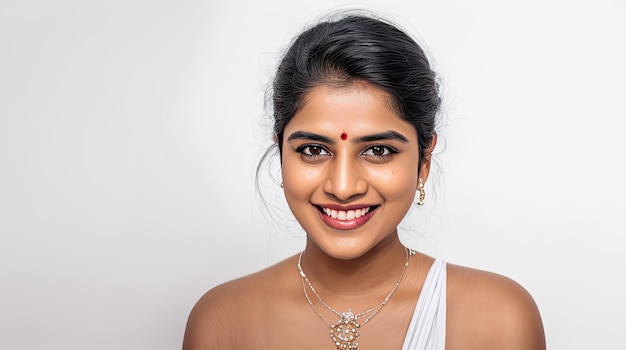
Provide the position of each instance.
(387, 135)
(303, 135)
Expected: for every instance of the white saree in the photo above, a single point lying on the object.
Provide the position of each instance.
(427, 330)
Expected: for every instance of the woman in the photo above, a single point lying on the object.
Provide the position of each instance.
(355, 103)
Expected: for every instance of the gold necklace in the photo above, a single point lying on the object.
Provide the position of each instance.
(345, 332)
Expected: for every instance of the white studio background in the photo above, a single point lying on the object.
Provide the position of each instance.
(130, 132)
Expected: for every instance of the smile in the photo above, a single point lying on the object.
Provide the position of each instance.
(348, 218)
(345, 214)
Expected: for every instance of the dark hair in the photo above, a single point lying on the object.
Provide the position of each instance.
(358, 48)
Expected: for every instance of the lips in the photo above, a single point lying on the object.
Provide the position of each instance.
(345, 214)
(346, 218)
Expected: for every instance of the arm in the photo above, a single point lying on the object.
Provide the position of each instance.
(207, 328)
(517, 322)
(489, 311)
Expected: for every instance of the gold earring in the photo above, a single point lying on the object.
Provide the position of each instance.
(420, 187)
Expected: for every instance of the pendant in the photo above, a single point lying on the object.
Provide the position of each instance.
(345, 332)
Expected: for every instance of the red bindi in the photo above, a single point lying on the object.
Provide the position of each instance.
(344, 136)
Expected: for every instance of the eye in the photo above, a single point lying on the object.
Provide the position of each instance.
(379, 152)
(312, 151)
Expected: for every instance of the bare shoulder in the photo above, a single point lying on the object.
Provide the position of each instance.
(224, 317)
(490, 311)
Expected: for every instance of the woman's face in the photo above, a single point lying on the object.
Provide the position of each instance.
(350, 168)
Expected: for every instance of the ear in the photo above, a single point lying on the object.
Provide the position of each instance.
(424, 169)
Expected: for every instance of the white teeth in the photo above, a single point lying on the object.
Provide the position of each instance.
(330, 212)
(346, 215)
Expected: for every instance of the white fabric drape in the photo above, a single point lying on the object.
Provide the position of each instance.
(427, 330)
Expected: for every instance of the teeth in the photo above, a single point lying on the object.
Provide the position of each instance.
(346, 214)
(350, 215)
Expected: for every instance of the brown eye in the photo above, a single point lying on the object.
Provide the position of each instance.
(379, 153)
(378, 150)
(315, 150)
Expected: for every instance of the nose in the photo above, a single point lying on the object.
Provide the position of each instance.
(345, 178)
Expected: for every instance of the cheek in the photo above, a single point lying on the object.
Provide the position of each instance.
(298, 179)
(397, 189)
(397, 181)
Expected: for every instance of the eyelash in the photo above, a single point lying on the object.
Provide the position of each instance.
(307, 147)
(388, 152)
(305, 152)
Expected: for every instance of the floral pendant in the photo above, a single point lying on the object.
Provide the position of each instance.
(345, 332)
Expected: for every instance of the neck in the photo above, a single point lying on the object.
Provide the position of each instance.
(371, 275)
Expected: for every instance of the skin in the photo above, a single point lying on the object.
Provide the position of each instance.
(350, 174)
(355, 263)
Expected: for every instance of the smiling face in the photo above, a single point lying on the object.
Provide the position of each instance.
(350, 168)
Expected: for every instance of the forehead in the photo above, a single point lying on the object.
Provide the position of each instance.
(357, 108)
